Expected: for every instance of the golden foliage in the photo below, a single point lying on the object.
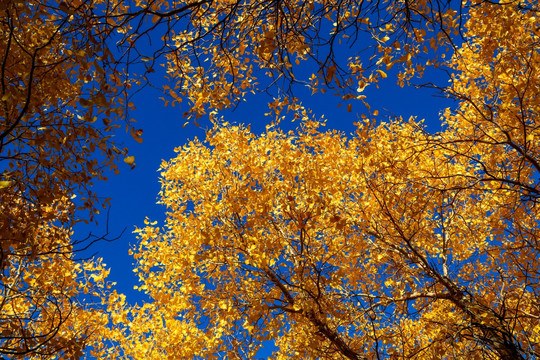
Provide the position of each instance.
(55, 84)
(388, 243)
(219, 52)
(366, 247)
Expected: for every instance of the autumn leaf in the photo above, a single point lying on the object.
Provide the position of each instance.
(130, 160)
(85, 102)
(136, 134)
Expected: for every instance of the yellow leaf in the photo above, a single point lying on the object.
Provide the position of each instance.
(100, 100)
(65, 8)
(330, 73)
(136, 134)
(4, 184)
(130, 160)
(84, 102)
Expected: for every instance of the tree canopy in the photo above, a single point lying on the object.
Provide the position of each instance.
(58, 111)
(391, 242)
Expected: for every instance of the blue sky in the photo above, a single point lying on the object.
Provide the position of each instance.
(134, 192)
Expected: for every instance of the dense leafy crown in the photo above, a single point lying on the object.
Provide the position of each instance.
(391, 242)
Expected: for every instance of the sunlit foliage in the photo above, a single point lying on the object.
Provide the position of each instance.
(59, 103)
(387, 243)
(218, 52)
(391, 242)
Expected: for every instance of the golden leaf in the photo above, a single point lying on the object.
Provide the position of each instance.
(130, 160)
